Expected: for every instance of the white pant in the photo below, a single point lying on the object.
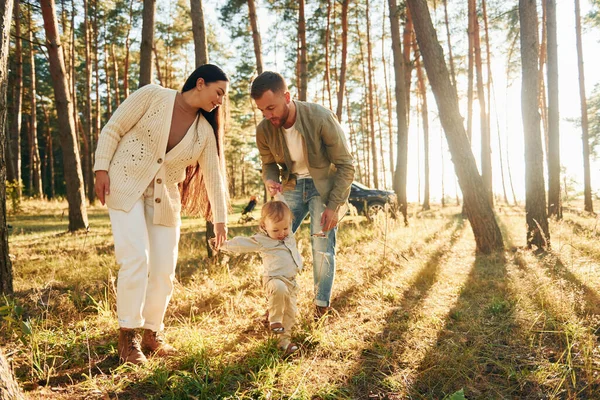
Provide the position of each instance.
(147, 255)
(282, 294)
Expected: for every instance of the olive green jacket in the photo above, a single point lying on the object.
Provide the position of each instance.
(330, 163)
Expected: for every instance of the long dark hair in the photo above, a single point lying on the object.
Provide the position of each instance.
(194, 197)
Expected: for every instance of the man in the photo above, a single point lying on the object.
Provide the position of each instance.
(304, 155)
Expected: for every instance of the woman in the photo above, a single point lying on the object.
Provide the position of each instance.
(160, 153)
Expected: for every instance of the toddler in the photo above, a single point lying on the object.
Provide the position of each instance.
(281, 263)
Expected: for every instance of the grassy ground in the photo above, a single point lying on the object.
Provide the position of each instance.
(511, 325)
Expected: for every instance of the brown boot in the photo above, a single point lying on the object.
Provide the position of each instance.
(154, 343)
(129, 347)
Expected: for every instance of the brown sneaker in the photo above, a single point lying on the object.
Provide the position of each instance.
(154, 343)
(321, 312)
(129, 347)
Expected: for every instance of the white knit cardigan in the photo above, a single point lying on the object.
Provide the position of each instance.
(132, 148)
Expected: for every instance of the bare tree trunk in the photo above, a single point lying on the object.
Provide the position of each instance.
(15, 128)
(486, 151)
(371, 105)
(425, 117)
(388, 98)
(342, 85)
(147, 43)
(127, 45)
(73, 176)
(554, 200)
(487, 234)
(157, 65)
(96, 119)
(535, 202)
(401, 107)
(303, 85)
(407, 40)
(256, 36)
(353, 145)
(471, 19)
(6, 271)
(115, 70)
(450, 56)
(381, 145)
(35, 173)
(585, 136)
(49, 155)
(88, 174)
(107, 71)
(327, 72)
(199, 30)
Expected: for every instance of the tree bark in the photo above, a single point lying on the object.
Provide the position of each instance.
(585, 136)
(487, 234)
(388, 98)
(470, 63)
(303, 73)
(342, 85)
(147, 43)
(9, 387)
(256, 36)
(554, 200)
(72, 166)
(535, 202)
(450, 55)
(6, 272)
(115, 70)
(486, 151)
(15, 128)
(127, 46)
(425, 117)
(327, 72)
(199, 31)
(400, 171)
(49, 154)
(35, 173)
(371, 105)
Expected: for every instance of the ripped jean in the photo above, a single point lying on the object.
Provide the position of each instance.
(305, 199)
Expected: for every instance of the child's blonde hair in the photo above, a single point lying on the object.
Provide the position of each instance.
(275, 211)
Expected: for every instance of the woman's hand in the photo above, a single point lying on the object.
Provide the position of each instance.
(102, 185)
(220, 234)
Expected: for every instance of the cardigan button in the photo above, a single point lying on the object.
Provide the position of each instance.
(160, 160)
(157, 200)
(159, 181)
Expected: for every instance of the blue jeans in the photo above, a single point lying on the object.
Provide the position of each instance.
(305, 199)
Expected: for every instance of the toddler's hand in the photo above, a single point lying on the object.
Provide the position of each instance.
(212, 242)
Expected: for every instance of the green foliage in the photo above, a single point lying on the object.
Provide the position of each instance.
(12, 193)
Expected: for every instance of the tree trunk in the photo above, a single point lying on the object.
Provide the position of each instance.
(9, 388)
(115, 70)
(342, 85)
(425, 117)
(371, 105)
(407, 40)
(147, 43)
(96, 119)
(35, 165)
(255, 36)
(199, 31)
(6, 272)
(535, 202)
(15, 128)
(585, 136)
(303, 73)
(487, 234)
(327, 72)
(127, 46)
(88, 174)
(72, 166)
(486, 151)
(380, 129)
(554, 200)
(49, 154)
(388, 98)
(402, 123)
(450, 56)
(107, 71)
(471, 19)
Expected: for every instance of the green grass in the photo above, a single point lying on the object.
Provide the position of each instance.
(420, 315)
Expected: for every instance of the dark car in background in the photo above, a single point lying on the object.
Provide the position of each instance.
(370, 201)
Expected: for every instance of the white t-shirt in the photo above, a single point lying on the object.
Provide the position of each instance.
(295, 144)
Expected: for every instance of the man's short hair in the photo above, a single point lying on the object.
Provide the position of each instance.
(266, 81)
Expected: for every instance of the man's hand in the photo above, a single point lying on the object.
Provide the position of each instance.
(220, 235)
(273, 187)
(329, 219)
(102, 185)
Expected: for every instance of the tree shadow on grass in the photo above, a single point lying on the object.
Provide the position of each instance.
(378, 361)
(347, 299)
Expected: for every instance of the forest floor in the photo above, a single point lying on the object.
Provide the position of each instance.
(419, 314)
